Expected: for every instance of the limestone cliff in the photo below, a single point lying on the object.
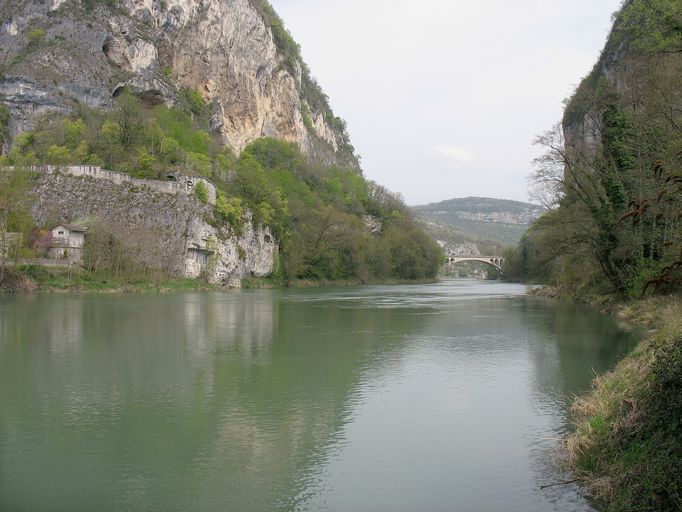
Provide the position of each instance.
(456, 221)
(581, 120)
(56, 54)
(160, 228)
(625, 70)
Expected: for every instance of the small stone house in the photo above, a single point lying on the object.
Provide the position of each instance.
(67, 242)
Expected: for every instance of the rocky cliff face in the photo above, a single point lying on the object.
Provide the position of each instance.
(580, 123)
(168, 231)
(455, 221)
(56, 54)
(616, 72)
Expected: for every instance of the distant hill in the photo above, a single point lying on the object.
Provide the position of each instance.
(487, 222)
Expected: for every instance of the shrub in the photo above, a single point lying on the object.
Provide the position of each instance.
(193, 102)
(36, 37)
(201, 192)
(229, 209)
(4, 125)
(145, 164)
(58, 155)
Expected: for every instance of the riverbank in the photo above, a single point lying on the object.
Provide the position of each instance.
(32, 278)
(627, 443)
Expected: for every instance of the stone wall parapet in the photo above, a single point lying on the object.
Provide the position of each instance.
(183, 184)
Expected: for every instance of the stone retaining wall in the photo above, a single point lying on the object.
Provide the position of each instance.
(184, 184)
(42, 262)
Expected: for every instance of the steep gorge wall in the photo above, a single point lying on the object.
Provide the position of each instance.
(616, 71)
(223, 49)
(162, 230)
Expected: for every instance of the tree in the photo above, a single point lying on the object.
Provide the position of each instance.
(14, 186)
(201, 192)
(654, 26)
(617, 181)
(4, 126)
(128, 120)
(250, 180)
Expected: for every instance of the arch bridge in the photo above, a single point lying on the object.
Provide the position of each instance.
(493, 261)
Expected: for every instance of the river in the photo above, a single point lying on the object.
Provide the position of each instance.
(443, 397)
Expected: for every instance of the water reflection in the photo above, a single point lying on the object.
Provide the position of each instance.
(376, 398)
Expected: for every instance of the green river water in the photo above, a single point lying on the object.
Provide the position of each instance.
(444, 397)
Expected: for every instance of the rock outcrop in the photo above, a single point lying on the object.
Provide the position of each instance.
(465, 249)
(160, 229)
(455, 221)
(56, 54)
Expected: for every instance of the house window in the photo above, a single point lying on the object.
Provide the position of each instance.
(61, 232)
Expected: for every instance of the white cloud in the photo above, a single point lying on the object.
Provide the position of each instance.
(460, 155)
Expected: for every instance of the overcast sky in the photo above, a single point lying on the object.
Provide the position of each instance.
(444, 97)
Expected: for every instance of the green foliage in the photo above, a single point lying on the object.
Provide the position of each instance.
(199, 163)
(50, 279)
(617, 187)
(167, 72)
(131, 138)
(306, 115)
(36, 37)
(14, 214)
(201, 192)
(57, 155)
(617, 138)
(73, 131)
(287, 47)
(145, 164)
(4, 125)
(411, 252)
(276, 155)
(265, 213)
(128, 122)
(652, 26)
(635, 437)
(104, 253)
(230, 210)
(192, 102)
(178, 125)
(315, 212)
(250, 180)
(665, 404)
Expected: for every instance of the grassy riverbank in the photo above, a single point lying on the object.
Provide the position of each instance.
(43, 279)
(32, 278)
(627, 445)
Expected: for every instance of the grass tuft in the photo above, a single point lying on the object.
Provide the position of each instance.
(627, 443)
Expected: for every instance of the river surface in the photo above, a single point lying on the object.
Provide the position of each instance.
(445, 397)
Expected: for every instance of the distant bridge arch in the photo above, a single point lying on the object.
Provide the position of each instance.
(493, 261)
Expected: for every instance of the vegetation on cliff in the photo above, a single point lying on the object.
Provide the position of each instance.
(54, 58)
(627, 444)
(612, 177)
(612, 174)
(312, 95)
(315, 211)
